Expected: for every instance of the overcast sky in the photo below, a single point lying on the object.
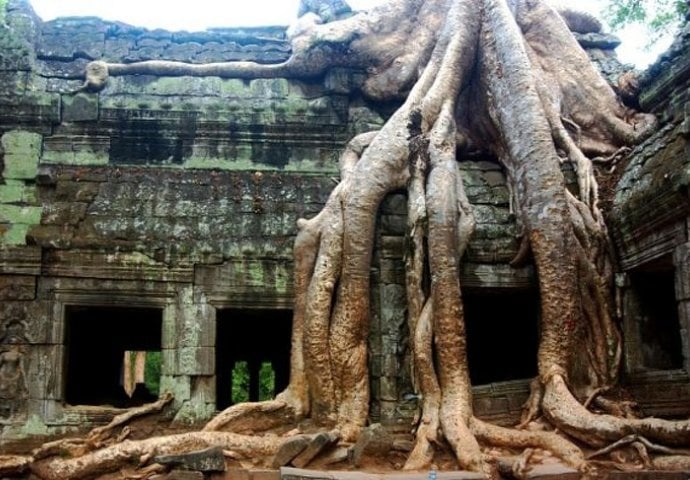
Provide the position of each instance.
(213, 13)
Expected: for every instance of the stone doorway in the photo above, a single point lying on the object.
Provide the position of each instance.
(502, 334)
(252, 354)
(658, 326)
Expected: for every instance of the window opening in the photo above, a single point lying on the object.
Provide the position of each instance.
(113, 355)
(502, 334)
(658, 323)
(252, 354)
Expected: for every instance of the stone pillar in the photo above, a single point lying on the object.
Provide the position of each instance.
(189, 356)
(630, 310)
(681, 261)
(390, 360)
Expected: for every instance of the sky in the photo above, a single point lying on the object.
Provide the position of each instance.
(213, 13)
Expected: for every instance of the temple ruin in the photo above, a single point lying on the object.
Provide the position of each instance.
(159, 214)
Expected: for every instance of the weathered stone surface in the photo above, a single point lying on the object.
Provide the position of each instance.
(183, 475)
(207, 460)
(603, 41)
(289, 450)
(15, 287)
(301, 474)
(81, 107)
(374, 440)
(317, 445)
(264, 475)
(22, 151)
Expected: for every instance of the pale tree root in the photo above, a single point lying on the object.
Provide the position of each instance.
(254, 417)
(101, 436)
(130, 452)
(571, 417)
(14, 465)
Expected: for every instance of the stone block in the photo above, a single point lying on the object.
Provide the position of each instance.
(79, 191)
(169, 361)
(30, 318)
(338, 80)
(17, 287)
(196, 360)
(82, 107)
(17, 193)
(180, 386)
(50, 236)
(647, 475)
(233, 473)
(393, 224)
(22, 151)
(393, 302)
(44, 371)
(391, 246)
(374, 440)
(25, 215)
(264, 475)
(184, 475)
(169, 328)
(204, 390)
(390, 366)
(318, 444)
(207, 460)
(289, 450)
(63, 213)
(681, 260)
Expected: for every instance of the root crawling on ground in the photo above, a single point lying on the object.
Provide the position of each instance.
(507, 78)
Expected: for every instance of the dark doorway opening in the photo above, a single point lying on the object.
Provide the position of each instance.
(252, 354)
(502, 334)
(659, 326)
(97, 339)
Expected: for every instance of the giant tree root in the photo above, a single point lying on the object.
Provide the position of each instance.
(130, 452)
(502, 78)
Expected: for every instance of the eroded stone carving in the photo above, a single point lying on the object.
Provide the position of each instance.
(13, 384)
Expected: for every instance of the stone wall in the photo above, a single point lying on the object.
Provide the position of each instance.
(650, 225)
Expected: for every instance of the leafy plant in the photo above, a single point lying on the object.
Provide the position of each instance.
(152, 372)
(660, 17)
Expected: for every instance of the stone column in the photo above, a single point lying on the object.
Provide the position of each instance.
(681, 261)
(189, 356)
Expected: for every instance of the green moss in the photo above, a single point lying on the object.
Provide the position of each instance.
(179, 386)
(17, 214)
(269, 88)
(254, 272)
(13, 193)
(22, 152)
(35, 425)
(233, 87)
(3, 10)
(15, 235)
(76, 158)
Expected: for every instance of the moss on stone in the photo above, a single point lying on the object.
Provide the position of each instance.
(15, 235)
(17, 193)
(19, 214)
(75, 158)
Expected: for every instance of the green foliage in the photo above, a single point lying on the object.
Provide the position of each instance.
(152, 372)
(267, 381)
(241, 381)
(660, 17)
